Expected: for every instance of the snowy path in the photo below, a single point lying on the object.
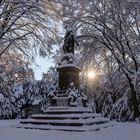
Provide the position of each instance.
(121, 131)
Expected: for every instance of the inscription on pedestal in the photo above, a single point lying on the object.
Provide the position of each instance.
(62, 102)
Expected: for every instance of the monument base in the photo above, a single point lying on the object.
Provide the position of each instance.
(66, 102)
(60, 101)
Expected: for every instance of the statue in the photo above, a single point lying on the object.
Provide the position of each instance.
(69, 41)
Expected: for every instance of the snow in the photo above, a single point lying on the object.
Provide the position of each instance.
(69, 65)
(68, 109)
(83, 115)
(36, 102)
(1, 96)
(18, 90)
(121, 131)
(83, 128)
(84, 121)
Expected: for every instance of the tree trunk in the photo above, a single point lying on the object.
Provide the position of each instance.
(134, 98)
(134, 102)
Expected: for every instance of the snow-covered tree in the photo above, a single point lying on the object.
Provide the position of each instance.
(26, 26)
(14, 71)
(108, 30)
(51, 78)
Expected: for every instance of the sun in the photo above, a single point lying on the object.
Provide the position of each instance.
(91, 74)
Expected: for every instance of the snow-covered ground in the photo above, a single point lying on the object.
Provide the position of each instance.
(121, 131)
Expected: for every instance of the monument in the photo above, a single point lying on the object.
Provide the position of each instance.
(68, 108)
(68, 89)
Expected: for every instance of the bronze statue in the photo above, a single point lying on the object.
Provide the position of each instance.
(69, 41)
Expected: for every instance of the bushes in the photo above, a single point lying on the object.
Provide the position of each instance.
(7, 108)
(120, 109)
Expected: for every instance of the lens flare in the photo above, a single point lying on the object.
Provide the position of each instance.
(91, 74)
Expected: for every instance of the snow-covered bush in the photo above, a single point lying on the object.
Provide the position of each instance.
(107, 106)
(122, 109)
(98, 100)
(36, 91)
(92, 105)
(17, 98)
(7, 109)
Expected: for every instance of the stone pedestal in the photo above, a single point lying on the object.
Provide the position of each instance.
(68, 74)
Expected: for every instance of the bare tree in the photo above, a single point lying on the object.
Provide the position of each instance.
(27, 25)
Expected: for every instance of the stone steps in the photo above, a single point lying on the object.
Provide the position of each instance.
(66, 122)
(68, 110)
(68, 128)
(65, 116)
(67, 119)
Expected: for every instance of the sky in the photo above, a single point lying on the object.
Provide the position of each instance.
(41, 65)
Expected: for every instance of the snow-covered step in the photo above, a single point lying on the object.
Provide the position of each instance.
(67, 119)
(69, 108)
(68, 128)
(65, 116)
(67, 122)
(66, 111)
